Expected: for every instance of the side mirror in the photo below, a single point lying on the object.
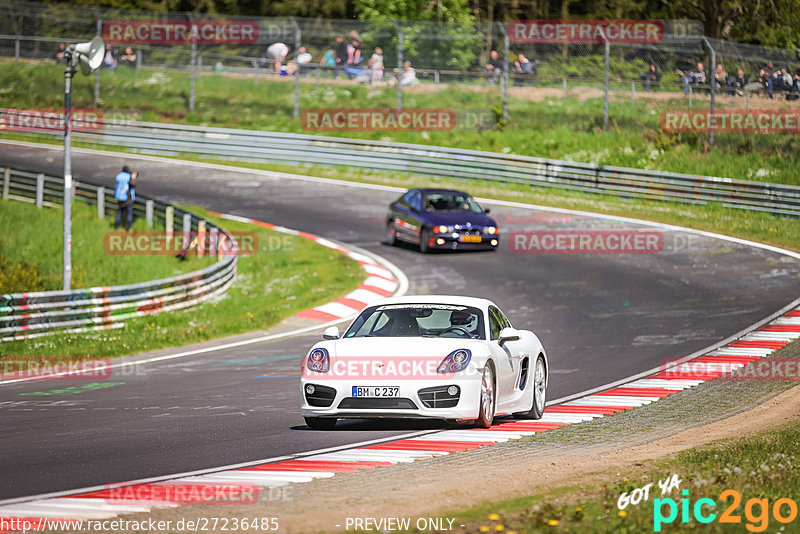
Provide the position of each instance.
(332, 332)
(487, 210)
(508, 334)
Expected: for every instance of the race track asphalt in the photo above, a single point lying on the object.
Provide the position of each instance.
(601, 317)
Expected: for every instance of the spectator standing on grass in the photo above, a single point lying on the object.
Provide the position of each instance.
(328, 59)
(276, 55)
(303, 60)
(125, 195)
(58, 54)
(110, 59)
(128, 59)
(652, 76)
(694, 78)
(494, 68)
(341, 54)
(376, 65)
(768, 77)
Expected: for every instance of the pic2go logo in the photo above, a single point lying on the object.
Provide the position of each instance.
(756, 511)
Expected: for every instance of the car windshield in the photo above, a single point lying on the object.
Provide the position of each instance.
(451, 201)
(419, 320)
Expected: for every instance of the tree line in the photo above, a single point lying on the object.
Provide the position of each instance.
(767, 23)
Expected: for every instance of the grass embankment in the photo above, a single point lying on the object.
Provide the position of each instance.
(288, 274)
(541, 123)
(30, 255)
(761, 469)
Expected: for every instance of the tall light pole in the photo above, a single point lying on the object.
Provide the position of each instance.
(89, 55)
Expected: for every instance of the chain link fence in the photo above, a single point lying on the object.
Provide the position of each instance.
(498, 70)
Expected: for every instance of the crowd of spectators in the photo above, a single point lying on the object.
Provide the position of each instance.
(768, 81)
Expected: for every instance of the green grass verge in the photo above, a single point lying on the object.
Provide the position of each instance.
(763, 466)
(287, 275)
(30, 256)
(539, 125)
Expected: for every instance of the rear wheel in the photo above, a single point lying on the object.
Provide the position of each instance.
(424, 238)
(320, 423)
(487, 398)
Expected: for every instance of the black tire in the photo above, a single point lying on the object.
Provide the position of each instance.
(424, 237)
(391, 233)
(488, 398)
(320, 423)
(538, 381)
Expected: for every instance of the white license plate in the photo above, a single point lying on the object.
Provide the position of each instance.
(376, 391)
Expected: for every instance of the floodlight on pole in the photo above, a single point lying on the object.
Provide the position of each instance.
(89, 56)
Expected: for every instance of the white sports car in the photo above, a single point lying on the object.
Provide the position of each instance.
(442, 357)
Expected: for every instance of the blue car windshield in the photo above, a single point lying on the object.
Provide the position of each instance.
(451, 202)
(419, 320)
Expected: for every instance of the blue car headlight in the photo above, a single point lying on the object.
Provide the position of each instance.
(455, 361)
(318, 361)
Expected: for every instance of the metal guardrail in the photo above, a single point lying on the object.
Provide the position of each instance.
(300, 149)
(26, 315)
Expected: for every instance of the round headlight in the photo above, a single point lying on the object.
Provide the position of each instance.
(310, 389)
(459, 356)
(452, 391)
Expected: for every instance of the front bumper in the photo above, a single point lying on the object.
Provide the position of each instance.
(418, 399)
(454, 242)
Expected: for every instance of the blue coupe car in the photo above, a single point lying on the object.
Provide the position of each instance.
(441, 219)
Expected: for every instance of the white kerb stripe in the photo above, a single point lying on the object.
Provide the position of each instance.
(364, 296)
(665, 383)
(605, 400)
(337, 308)
(388, 285)
(372, 268)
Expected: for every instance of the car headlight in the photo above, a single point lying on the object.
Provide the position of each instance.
(318, 361)
(455, 361)
(491, 230)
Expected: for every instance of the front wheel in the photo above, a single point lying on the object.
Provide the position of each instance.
(320, 423)
(424, 239)
(487, 398)
(391, 233)
(539, 392)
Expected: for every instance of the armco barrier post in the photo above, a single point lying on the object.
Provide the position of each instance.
(712, 83)
(39, 190)
(193, 63)
(169, 222)
(6, 182)
(212, 241)
(148, 213)
(101, 202)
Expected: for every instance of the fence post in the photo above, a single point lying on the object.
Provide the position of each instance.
(187, 231)
(16, 50)
(297, 39)
(193, 60)
(607, 57)
(39, 190)
(148, 213)
(505, 69)
(436, 81)
(96, 96)
(747, 97)
(101, 202)
(633, 92)
(399, 63)
(690, 97)
(6, 182)
(169, 222)
(138, 60)
(564, 81)
(713, 83)
(201, 238)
